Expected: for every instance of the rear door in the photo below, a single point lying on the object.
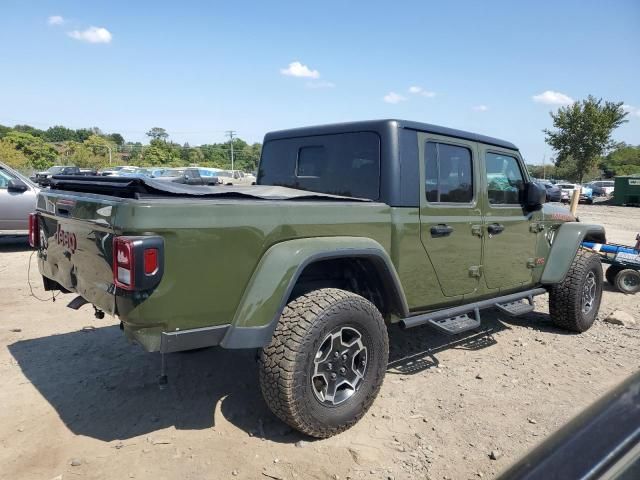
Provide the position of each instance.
(450, 216)
(509, 242)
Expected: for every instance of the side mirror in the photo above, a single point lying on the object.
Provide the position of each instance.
(535, 195)
(17, 185)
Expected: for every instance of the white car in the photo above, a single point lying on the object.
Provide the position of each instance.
(232, 177)
(17, 200)
(567, 189)
(603, 187)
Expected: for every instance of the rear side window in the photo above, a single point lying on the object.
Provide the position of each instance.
(346, 164)
(448, 173)
(505, 183)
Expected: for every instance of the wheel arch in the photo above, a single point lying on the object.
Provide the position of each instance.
(284, 264)
(565, 245)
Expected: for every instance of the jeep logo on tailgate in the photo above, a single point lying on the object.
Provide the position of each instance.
(66, 239)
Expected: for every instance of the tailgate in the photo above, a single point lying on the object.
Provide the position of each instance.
(76, 242)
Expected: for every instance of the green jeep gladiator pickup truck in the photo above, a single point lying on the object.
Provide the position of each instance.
(351, 228)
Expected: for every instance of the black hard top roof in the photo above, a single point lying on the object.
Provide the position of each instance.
(384, 126)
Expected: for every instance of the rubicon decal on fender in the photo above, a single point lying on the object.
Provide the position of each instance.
(66, 239)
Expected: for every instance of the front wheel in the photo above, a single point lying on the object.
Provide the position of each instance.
(326, 361)
(574, 303)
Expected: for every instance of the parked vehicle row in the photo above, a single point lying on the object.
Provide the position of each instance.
(567, 189)
(186, 175)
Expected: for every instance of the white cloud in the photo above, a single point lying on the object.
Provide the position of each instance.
(631, 110)
(393, 98)
(549, 97)
(297, 69)
(480, 108)
(92, 35)
(55, 20)
(321, 84)
(421, 91)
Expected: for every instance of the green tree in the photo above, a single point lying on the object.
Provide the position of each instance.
(158, 133)
(58, 133)
(36, 132)
(4, 130)
(116, 138)
(83, 133)
(40, 155)
(623, 160)
(13, 157)
(583, 132)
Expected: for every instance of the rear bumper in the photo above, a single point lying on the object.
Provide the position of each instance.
(156, 339)
(192, 339)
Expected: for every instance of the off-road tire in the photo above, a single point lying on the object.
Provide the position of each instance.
(566, 298)
(286, 365)
(611, 273)
(628, 281)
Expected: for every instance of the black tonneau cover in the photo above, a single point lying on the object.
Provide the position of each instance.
(140, 187)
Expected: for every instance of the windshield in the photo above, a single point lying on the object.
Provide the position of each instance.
(55, 170)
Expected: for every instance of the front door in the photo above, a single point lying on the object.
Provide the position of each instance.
(450, 216)
(509, 242)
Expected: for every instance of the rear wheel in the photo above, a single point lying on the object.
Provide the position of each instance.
(326, 362)
(574, 303)
(628, 281)
(611, 273)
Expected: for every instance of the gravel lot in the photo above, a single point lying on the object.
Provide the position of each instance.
(79, 402)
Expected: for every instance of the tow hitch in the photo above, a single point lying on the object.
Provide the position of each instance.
(78, 302)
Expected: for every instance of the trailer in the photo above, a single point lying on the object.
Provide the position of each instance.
(624, 264)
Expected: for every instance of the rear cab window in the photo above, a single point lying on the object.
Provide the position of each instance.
(346, 164)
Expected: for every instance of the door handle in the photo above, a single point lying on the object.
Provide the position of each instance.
(495, 228)
(441, 230)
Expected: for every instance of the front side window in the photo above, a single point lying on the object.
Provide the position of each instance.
(448, 173)
(4, 180)
(505, 183)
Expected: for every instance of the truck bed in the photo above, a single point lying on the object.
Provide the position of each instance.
(139, 188)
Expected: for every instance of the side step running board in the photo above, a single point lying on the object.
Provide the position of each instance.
(453, 321)
(457, 324)
(515, 308)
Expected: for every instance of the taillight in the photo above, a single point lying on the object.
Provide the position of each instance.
(123, 263)
(150, 261)
(34, 230)
(138, 262)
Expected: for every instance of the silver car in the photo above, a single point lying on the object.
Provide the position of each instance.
(17, 200)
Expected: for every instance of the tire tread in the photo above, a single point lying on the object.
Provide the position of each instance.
(290, 343)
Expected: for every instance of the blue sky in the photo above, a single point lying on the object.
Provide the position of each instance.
(198, 68)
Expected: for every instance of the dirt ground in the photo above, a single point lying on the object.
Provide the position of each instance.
(77, 401)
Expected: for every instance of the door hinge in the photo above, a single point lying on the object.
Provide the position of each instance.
(476, 230)
(475, 271)
(536, 227)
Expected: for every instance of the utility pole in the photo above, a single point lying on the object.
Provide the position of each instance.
(230, 134)
(544, 170)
